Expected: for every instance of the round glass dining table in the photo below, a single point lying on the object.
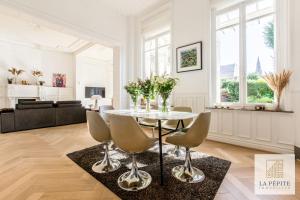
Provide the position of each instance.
(159, 116)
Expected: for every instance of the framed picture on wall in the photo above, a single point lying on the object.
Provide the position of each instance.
(59, 80)
(189, 57)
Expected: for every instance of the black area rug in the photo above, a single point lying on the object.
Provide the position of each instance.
(214, 169)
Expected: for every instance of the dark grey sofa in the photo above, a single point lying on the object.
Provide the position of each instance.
(69, 112)
(41, 114)
(34, 114)
(7, 120)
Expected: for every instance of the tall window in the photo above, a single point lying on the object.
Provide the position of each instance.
(245, 52)
(227, 41)
(157, 55)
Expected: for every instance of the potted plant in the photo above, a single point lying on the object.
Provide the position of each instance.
(133, 89)
(37, 74)
(147, 88)
(41, 83)
(277, 82)
(15, 72)
(165, 86)
(10, 80)
(24, 82)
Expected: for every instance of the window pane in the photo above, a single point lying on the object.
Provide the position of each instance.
(164, 66)
(157, 54)
(260, 58)
(228, 64)
(227, 19)
(259, 8)
(163, 40)
(149, 63)
(150, 45)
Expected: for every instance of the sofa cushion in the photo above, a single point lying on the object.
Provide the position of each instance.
(68, 105)
(33, 106)
(34, 118)
(35, 102)
(6, 110)
(70, 115)
(68, 102)
(22, 100)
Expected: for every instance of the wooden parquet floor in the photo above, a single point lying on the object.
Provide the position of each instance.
(34, 166)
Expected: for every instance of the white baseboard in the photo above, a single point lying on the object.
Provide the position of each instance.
(250, 144)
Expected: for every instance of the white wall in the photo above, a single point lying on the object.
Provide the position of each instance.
(295, 62)
(191, 23)
(93, 73)
(29, 58)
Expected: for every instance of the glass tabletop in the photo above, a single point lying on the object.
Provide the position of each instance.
(153, 114)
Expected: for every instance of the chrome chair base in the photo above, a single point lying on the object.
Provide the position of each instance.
(111, 146)
(107, 164)
(135, 179)
(104, 166)
(134, 182)
(177, 151)
(155, 148)
(188, 173)
(182, 173)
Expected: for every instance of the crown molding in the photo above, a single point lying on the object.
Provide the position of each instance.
(54, 22)
(155, 10)
(34, 46)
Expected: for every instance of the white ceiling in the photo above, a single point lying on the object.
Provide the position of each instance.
(16, 30)
(219, 4)
(98, 52)
(130, 7)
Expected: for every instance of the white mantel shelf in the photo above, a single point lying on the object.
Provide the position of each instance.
(269, 131)
(12, 92)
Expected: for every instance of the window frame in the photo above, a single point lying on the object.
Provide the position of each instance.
(241, 7)
(144, 51)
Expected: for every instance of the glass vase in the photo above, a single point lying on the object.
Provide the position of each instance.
(164, 105)
(148, 106)
(135, 106)
(278, 108)
(15, 79)
(37, 81)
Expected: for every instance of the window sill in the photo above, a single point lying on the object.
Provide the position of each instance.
(248, 109)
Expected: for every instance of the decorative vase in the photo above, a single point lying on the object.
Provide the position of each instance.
(164, 105)
(10, 80)
(148, 106)
(135, 104)
(96, 106)
(15, 79)
(278, 103)
(37, 81)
